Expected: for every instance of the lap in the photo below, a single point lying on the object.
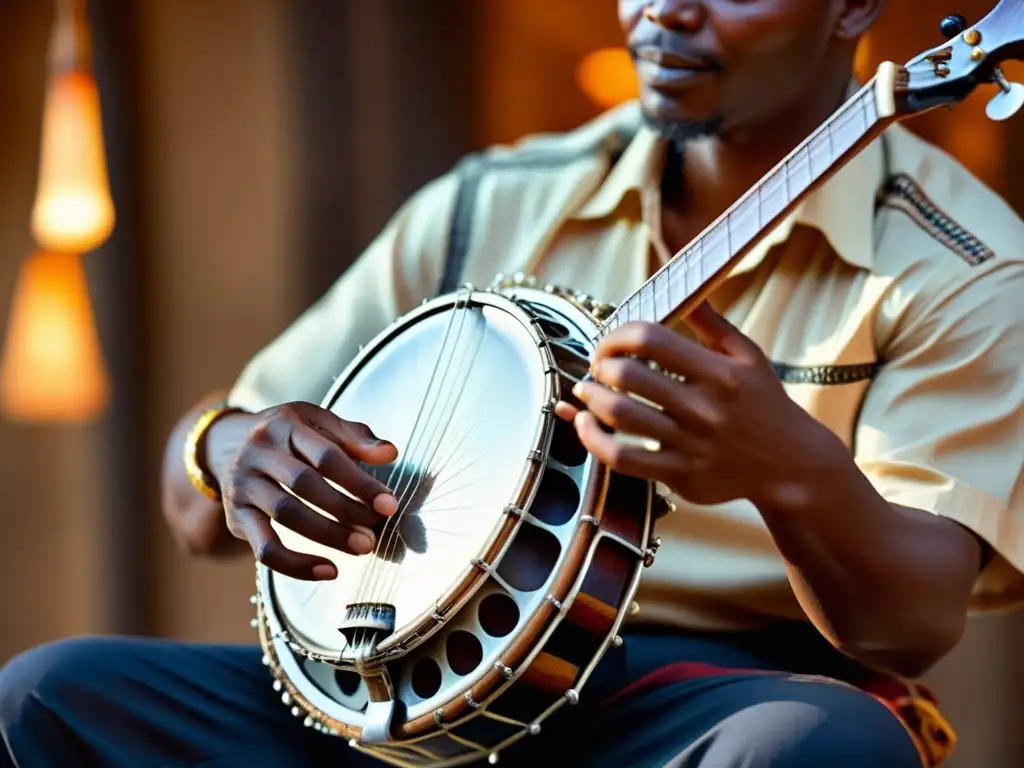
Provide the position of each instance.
(141, 703)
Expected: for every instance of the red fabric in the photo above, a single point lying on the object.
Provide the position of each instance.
(878, 685)
(674, 673)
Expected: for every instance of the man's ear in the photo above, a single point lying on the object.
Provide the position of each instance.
(856, 17)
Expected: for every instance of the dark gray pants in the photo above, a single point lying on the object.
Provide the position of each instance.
(157, 704)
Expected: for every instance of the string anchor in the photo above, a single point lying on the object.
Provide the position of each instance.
(1008, 101)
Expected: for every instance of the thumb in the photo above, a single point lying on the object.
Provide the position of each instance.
(717, 333)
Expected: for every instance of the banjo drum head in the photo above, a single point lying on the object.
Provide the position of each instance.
(460, 393)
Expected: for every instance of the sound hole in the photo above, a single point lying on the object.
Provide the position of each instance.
(572, 359)
(566, 446)
(575, 346)
(426, 678)
(530, 559)
(348, 682)
(557, 498)
(498, 614)
(464, 652)
(552, 329)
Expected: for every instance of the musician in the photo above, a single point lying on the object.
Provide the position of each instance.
(841, 440)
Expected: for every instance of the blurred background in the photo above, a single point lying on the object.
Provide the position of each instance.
(250, 150)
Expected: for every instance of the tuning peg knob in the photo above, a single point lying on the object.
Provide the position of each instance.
(952, 25)
(1008, 101)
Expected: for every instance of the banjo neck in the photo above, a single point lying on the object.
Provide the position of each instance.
(695, 271)
(942, 76)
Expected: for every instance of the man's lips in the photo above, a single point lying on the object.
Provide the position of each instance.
(667, 70)
(668, 60)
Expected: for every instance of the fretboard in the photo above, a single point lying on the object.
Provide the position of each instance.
(691, 274)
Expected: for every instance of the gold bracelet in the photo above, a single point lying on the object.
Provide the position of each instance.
(201, 479)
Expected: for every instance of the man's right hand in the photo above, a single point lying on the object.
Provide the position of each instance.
(299, 446)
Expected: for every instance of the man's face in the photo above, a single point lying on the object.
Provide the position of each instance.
(711, 65)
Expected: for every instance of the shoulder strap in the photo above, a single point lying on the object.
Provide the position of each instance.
(460, 229)
(471, 170)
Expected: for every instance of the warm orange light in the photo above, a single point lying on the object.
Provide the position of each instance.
(73, 210)
(53, 367)
(607, 77)
(864, 66)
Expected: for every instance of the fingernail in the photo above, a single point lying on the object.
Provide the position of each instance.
(324, 572)
(360, 543)
(578, 391)
(385, 504)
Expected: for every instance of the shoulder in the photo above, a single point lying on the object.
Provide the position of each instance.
(605, 135)
(932, 209)
(946, 243)
(533, 169)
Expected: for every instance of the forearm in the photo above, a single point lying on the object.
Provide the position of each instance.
(888, 585)
(196, 522)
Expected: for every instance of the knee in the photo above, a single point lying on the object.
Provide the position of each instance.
(829, 725)
(44, 676)
(819, 724)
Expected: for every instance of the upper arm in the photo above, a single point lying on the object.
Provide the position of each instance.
(400, 268)
(941, 428)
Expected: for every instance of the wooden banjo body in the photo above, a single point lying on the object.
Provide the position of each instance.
(514, 557)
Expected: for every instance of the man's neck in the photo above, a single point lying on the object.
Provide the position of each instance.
(717, 170)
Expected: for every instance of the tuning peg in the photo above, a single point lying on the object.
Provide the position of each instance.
(1008, 101)
(952, 25)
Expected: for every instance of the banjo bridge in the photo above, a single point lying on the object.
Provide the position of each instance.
(367, 622)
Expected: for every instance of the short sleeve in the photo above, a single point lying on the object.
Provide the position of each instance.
(400, 268)
(942, 426)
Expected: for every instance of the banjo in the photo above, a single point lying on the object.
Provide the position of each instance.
(514, 557)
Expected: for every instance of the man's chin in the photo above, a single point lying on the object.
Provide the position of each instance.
(680, 130)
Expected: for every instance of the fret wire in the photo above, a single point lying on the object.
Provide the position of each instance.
(785, 175)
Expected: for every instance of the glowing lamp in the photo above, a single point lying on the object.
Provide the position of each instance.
(864, 63)
(607, 77)
(73, 210)
(53, 368)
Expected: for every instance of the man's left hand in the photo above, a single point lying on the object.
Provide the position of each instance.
(726, 428)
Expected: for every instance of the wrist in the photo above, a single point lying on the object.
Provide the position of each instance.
(197, 454)
(819, 470)
(220, 442)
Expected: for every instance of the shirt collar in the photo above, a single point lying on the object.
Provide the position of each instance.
(842, 209)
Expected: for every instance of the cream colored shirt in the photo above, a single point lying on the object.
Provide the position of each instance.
(891, 304)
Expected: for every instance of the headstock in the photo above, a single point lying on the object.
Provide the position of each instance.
(949, 73)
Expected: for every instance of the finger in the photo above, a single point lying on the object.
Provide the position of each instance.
(717, 333)
(667, 348)
(620, 457)
(331, 462)
(628, 375)
(294, 514)
(566, 411)
(268, 549)
(355, 437)
(687, 404)
(626, 414)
